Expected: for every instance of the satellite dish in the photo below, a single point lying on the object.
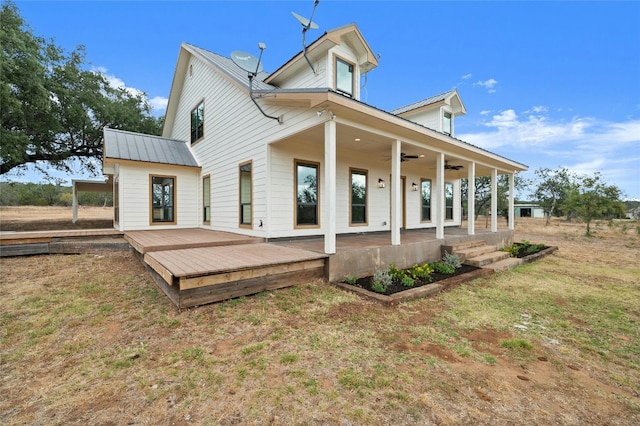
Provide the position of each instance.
(246, 61)
(307, 23)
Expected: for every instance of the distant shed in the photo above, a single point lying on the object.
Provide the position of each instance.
(529, 210)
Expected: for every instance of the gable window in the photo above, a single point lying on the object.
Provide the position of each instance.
(358, 197)
(425, 190)
(163, 199)
(306, 194)
(448, 195)
(344, 77)
(206, 199)
(197, 122)
(446, 123)
(245, 194)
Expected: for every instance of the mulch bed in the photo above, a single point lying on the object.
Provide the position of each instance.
(396, 286)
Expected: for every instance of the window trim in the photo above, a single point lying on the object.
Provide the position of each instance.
(240, 217)
(337, 58)
(204, 219)
(366, 196)
(201, 136)
(152, 222)
(446, 208)
(297, 162)
(422, 219)
(450, 132)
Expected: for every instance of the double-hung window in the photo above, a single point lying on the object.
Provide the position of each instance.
(448, 195)
(306, 193)
(246, 196)
(358, 197)
(447, 123)
(344, 77)
(197, 122)
(163, 199)
(425, 191)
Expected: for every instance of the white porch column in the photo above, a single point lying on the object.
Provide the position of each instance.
(512, 184)
(494, 200)
(329, 199)
(396, 188)
(75, 202)
(471, 199)
(440, 201)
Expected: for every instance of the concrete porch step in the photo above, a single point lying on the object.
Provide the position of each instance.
(487, 258)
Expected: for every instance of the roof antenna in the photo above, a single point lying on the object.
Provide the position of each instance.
(306, 24)
(253, 66)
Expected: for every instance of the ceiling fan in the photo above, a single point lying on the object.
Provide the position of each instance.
(405, 157)
(448, 166)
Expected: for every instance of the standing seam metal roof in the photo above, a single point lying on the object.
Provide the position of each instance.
(424, 102)
(122, 145)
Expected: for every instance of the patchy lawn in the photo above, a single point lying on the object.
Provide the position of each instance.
(90, 340)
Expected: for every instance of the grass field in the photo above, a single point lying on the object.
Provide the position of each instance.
(90, 340)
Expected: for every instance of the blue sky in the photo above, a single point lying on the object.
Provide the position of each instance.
(548, 84)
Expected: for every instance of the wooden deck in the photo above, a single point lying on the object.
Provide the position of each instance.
(198, 266)
(61, 242)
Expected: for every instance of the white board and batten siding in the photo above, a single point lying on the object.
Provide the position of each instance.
(135, 196)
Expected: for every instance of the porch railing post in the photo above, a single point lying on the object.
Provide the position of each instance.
(329, 204)
(511, 217)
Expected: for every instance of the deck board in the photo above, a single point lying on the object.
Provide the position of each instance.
(38, 237)
(193, 262)
(172, 239)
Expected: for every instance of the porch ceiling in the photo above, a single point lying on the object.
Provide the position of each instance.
(377, 147)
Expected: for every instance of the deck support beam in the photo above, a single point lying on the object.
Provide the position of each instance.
(329, 204)
(396, 188)
(471, 199)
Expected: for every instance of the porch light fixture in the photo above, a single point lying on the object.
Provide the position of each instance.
(380, 183)
(414, 186)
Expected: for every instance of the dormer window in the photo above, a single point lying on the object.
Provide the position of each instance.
(447, 123)
(344, 77)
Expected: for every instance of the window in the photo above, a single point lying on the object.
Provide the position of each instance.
(344, 77)
(446, 123)
(206, 199)
(245, 194)
(197, 122)
(163, 199)
(425, 190)
(448, 195)
(306, 194)
(358, 196)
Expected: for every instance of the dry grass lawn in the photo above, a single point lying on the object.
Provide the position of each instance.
(89, 339)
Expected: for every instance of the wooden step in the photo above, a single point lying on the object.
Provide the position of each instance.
(462, 246)
(487, 258)
(501, 265)
(471, 252)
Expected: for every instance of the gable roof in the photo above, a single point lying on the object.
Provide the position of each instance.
(445, 97)
(122, 145)
(349, 34)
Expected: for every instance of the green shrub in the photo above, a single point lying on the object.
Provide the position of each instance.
(380, 281)
(420, 271)
(443, 268)
(396, 274)
(452, 260)
(408, 281)
(350, 279)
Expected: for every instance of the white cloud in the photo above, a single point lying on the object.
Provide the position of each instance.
(583, 144)
(467, 76)
(487, 84)
(158, 103)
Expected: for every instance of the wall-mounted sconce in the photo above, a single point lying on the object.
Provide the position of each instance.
(380, 183)
(414, 186)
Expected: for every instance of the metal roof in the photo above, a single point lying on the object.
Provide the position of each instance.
(122, 145)
(227, 66)
(424, 102)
